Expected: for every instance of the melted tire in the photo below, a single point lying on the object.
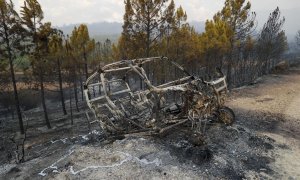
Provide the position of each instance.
(226, 115)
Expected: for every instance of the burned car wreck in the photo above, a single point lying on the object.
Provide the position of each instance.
(121, 107)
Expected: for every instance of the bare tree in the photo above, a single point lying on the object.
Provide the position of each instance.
(298, 38)
(272, 41)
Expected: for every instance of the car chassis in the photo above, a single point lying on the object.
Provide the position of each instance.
(119, 110)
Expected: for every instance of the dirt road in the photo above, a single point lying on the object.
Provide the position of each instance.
(263, 143)
(277, 99)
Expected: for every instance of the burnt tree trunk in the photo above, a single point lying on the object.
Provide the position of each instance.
(17, 102)
(76, 95)
(42, 91)
(229, 72)
(85, 66)
(75, 87)
(61, 87)
(81, 87)
(71, 109)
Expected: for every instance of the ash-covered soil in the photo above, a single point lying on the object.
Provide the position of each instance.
(263, 143)
(229, 152)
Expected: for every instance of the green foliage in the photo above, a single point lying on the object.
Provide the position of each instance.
(11, 31)
(180, 17)
(145, 22)
(11, 35)
(240, 24)
(3, 65)
(38, 36)
(22, 63)
(4, 75)
(240, 20)
(215, 42)
(56, 44)
(81, 43)
(32, 15)
(182, 45)
(216, 36)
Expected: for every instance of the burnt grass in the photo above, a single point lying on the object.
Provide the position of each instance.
(223, 152)
(238, 146)
(226, 152)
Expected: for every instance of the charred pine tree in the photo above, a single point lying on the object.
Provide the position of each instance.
(75, 91)
(72, 68)
(81, 45)
(56, 49)
(38, 34)
(61, 90)
(272, 41)
(241, 22)
(11, 35)
(298, 38)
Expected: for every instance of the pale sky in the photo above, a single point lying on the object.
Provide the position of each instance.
(64, 12)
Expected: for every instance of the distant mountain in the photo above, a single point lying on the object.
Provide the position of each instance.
(112, 30)
(96, 29)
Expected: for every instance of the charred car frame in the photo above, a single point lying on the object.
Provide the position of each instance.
(155, 109)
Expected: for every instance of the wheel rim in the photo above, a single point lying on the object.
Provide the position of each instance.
(226, 117)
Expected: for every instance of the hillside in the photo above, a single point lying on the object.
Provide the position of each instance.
(262, 144)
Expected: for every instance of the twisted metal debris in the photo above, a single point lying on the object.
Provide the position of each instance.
(121, 110)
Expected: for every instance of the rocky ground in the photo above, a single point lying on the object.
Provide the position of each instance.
(263, 143)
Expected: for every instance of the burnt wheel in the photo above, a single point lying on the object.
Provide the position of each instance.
(226, 115)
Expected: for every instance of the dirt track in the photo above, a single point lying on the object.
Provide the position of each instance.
(263, 143)
(277, 99)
